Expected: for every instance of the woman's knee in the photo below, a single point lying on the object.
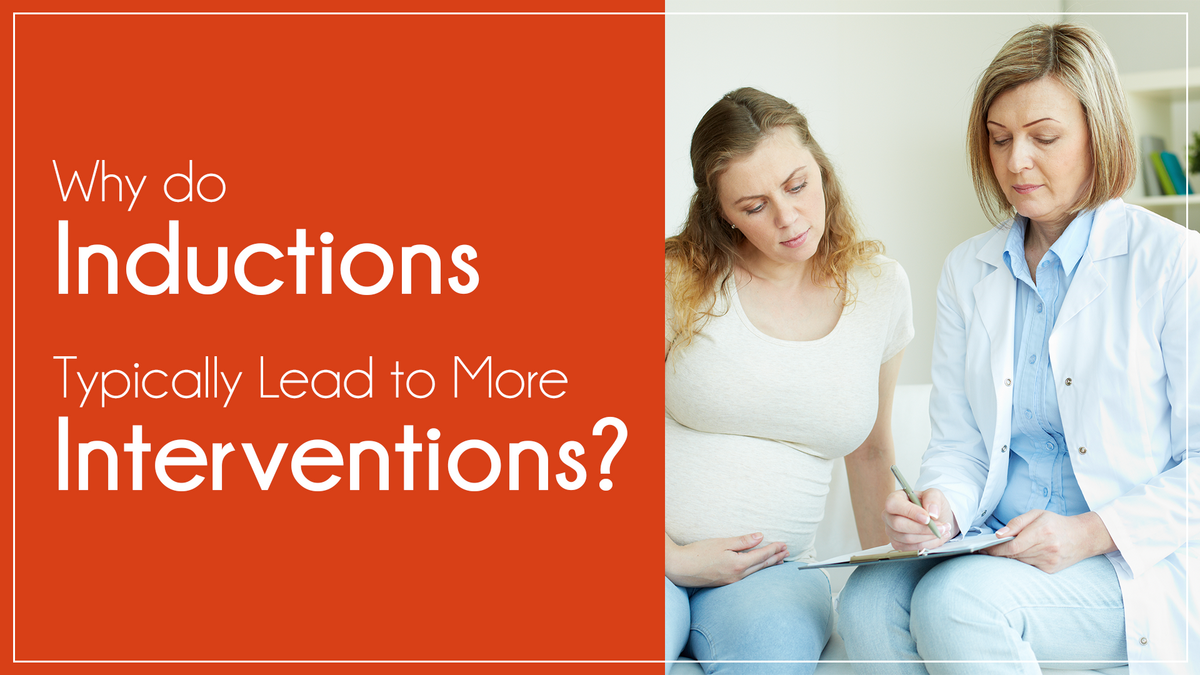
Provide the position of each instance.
(678, 621)
(785, 615)
(959, 594)
(782, 601)
(875, 594)
(859, 602)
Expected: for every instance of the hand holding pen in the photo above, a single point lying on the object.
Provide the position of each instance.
(912, 519)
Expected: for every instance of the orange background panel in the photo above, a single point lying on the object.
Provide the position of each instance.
(534, 139)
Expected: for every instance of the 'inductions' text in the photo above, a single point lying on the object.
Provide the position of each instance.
(300, 251)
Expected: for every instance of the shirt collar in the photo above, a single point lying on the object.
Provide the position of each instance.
(1069, 247)
(1074, 240)
(1014, 250)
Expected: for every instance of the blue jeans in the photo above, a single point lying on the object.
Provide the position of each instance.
(776, 614)
(982, 608)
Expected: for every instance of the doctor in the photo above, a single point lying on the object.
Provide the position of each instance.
(1063, 404)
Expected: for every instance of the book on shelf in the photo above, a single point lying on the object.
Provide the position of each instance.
(1151, 145)
(1164, 179)
(1176, 174)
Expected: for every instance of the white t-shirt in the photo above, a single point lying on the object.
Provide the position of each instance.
(753, 423)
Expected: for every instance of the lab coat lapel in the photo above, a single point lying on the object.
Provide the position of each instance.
(1086, 287)
(1110, 237)
(996, 306)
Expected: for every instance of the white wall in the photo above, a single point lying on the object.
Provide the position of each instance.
(887, 97)
(1150, 42)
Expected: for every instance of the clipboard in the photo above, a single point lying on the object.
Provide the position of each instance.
(885, 553)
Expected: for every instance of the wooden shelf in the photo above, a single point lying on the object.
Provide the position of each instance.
(1172, 200)
(1165, 84)
(1158, 104)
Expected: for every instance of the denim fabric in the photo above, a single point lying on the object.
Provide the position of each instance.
(1001, 615)
(775, 614)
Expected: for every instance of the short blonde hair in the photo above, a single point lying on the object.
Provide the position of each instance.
(1078, 58)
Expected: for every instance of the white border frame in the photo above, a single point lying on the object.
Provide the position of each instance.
(13, 262)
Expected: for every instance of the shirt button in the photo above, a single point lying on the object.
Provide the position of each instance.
(1039, 309)
(1032, 358)
(1068, 382)
(1045, 492)
(1144, 641)
(1028, 415)
(1082, 451)
(1007, 383)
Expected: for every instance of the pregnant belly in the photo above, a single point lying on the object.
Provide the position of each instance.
(720, 485)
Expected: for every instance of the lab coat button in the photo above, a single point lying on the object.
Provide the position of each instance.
(1008, 383)
(1144, 641)
(1004, 448)
(1068, 382)
(1082, 451)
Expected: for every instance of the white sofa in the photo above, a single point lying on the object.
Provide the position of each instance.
(837, 535)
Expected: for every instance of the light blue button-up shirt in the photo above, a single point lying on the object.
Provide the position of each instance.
(1039, 468)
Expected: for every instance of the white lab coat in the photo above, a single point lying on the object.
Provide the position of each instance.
(1118, 351)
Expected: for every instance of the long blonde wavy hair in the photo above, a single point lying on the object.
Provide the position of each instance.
(704, 253)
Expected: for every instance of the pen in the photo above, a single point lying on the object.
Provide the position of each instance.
(912, 497)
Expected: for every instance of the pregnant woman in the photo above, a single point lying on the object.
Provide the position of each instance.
(784, 335)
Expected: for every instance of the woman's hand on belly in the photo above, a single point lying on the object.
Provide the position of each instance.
(1051, 542)
(717, 562)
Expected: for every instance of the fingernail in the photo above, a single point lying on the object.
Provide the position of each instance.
(756, 536)
(933, 512)
(927, 519)
(1001, 532)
